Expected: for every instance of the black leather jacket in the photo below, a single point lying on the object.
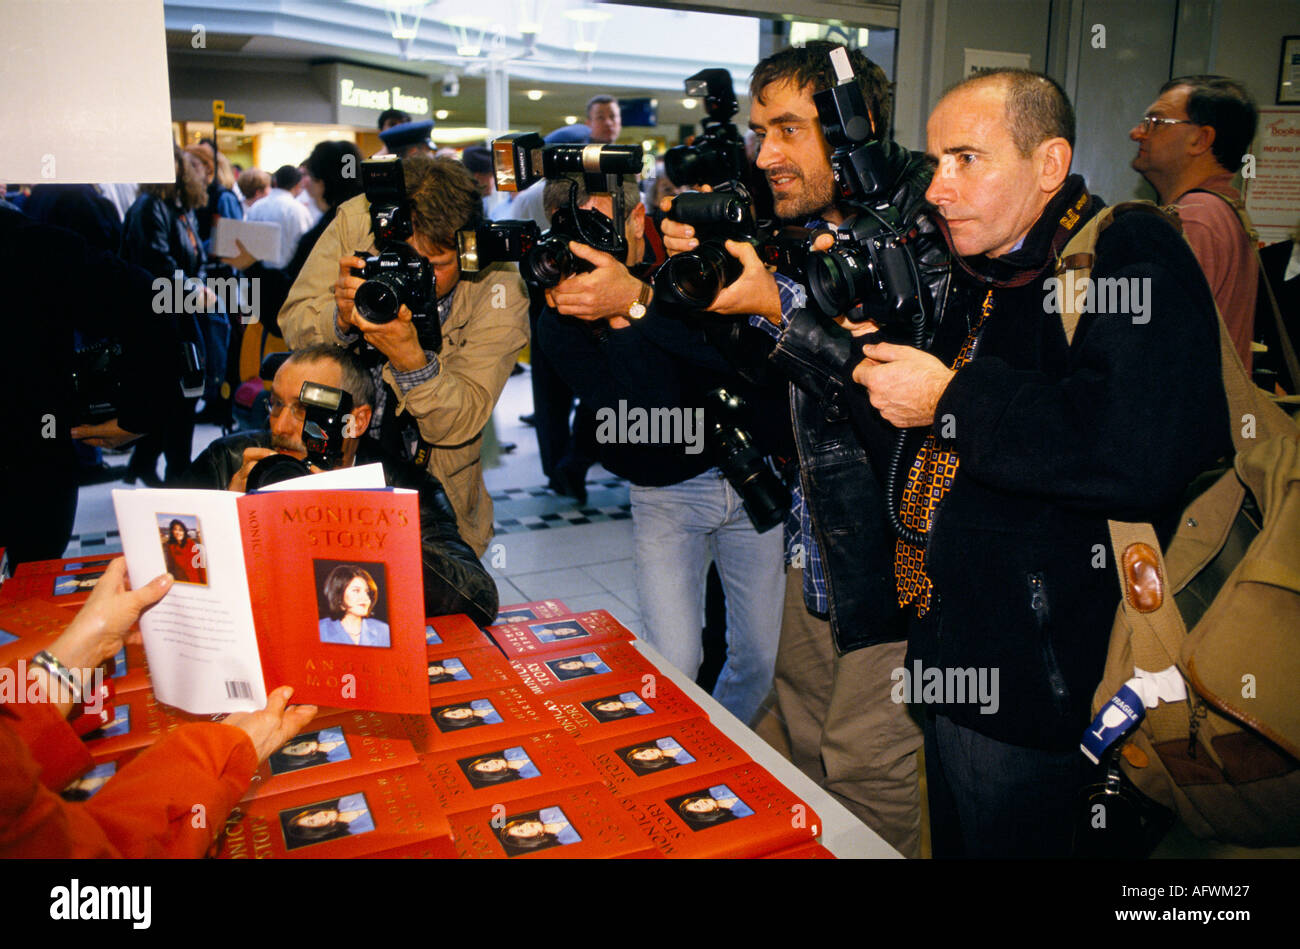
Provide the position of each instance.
(454, 580)
(843, 444)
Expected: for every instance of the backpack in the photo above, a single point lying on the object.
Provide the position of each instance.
(1222, 607)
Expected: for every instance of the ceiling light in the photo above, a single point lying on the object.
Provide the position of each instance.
(441, 114)
(689, 103)
(570, 119)
(534, 94)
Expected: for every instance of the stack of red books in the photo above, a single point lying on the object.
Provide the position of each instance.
(548, 735)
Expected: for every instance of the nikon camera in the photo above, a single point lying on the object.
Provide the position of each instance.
(397, 276)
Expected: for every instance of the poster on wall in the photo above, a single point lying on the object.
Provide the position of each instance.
(983, 60)
(1273, 194)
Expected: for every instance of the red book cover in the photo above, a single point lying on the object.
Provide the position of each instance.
(665, 754)
(741, 812)
(62, 565)
(608, 709)
(454, 631)
(454, 672)
(364, 815)
(809, 851)
(557, 635)
(92, 782)
(581, 822)
(70, 589)
(138, 719)
(296, 546)
(581, 668)
(477, 718)
(481, 775)
(326, 752)
(128, 670)
(523, 612)
(27, 627)
(320, 590)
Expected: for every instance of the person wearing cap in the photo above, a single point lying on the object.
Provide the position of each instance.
(408, 138)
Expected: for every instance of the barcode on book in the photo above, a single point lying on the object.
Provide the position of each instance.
(238, 689)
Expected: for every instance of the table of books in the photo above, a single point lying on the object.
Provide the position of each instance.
(550, 734)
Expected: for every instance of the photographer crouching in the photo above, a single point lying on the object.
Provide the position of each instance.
(649, 379)
(322, 403)
(438, 345)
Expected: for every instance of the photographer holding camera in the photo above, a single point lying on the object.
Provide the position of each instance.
(624, 361)
(322, 402)
(440, 372)
(837, 653)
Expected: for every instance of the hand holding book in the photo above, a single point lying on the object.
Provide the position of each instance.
(274, 725)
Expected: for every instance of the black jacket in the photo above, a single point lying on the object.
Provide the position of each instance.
(1053, 440)
(454, 579)
(161, 238)
(843, 445)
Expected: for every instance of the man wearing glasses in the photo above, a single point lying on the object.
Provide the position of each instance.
(1191, 142)
(454, 580)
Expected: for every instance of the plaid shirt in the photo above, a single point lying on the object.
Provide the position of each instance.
(406, 381)
(799, 535)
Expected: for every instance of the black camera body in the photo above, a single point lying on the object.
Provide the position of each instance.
(397, 276)
(695, 278)
(870, 273)
(523, 160)
(328, 412)
(764, 496)
(718, 153)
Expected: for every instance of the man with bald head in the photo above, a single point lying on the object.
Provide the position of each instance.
(1023, 444)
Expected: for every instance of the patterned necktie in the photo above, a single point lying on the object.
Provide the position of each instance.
(928, 480)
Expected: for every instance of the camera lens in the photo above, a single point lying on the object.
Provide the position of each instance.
(275, 468)
(837, 281)
(694, 279)
(548, 263)
(379, 298)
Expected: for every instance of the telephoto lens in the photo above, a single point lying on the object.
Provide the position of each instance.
(377, 299)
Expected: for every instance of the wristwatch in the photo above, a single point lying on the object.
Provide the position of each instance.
(636, 309)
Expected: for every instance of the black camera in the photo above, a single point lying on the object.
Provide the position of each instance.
(718, 153)
(397, 276)
(550, 261)
(96, 382)
(764, 495)
(522, 160)
(328, 411)
(870, 273)
(477, 247)
(695, 278)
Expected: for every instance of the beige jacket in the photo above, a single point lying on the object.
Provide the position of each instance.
(487, 328)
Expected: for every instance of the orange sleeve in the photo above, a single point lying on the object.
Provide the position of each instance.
(171, 801)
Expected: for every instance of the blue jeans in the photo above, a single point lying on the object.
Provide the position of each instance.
(675, 529)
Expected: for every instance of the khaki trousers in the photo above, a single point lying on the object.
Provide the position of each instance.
(845, 731)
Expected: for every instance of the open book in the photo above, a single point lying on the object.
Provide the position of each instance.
(320, 590)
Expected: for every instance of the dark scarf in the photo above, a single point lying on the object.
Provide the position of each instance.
(1068, 210)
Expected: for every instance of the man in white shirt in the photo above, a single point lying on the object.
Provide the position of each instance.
(280, 207)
